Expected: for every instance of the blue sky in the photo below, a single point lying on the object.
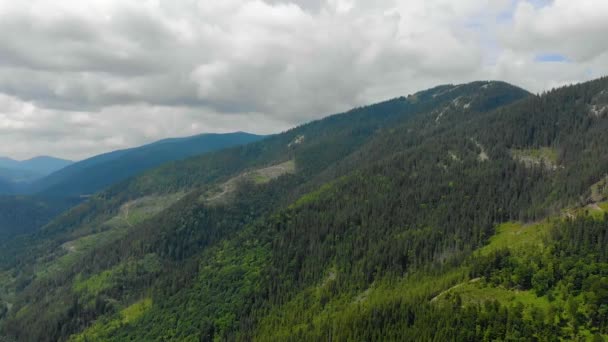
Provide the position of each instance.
(551, 57)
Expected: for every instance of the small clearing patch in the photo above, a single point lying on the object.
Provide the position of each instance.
(259, 176)
(516, 235)
(129, 215)
(362, 297)
(599, 190)
(483, 156)
(598, 111)
(440, 115)
(477, 293)
(595, 210)
(141, 209)
(297, 141)
(599, 105)
(533, 157)
(104, 328)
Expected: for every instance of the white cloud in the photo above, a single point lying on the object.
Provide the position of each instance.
(575, 29)
(82, 77)
(25, 127)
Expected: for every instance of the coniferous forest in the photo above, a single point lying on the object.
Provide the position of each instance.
(475, 212)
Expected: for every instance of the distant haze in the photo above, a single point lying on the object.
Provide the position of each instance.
(31, 169)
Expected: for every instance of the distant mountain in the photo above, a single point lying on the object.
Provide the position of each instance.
(61, 190)
(93, 174)
(17, 173)
(44, 164)
(8, 162)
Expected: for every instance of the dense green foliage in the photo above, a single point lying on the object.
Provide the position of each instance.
(387, 230)
(25, 214)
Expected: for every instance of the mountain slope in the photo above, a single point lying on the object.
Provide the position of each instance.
(25, 214)
(376, 224)
(6, 186)
(198, 203)
(93, 174)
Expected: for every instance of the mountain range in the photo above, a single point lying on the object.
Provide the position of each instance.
(14, 173)
(93, 174)
(464, 212)
(30, 203)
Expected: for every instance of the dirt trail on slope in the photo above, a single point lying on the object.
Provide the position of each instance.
(453, 288)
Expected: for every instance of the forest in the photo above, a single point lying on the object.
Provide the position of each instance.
(474, 212)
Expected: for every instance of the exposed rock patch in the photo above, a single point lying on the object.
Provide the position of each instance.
(259, 176)
(544, 156)
(297, 141)
(482, 156)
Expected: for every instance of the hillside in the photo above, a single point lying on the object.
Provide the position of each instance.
(52, 195)
(469, 212)
(91, 175)
(25, 214)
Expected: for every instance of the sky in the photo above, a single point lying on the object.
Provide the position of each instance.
(78, 78)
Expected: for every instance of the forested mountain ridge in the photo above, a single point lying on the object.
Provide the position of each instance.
(383, 223)
(25, 214)
(96, 173)
(40, 202)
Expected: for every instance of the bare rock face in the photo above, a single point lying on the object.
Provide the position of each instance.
(599, 105)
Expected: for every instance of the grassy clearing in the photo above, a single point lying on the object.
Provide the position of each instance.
(537, 156)
(76, 248)
(111, 278)
(267, 174)
(595, 210)
(130, 214)
(516, 235)
(478, 293)
(222, 192)
(599, 190)
(102, 329)
(139, 210)
(135, 311)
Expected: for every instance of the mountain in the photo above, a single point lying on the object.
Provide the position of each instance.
(44, 164)
(8, 162)
(62, 189)
(463, 212)
(6, 186)
(25, 214)
(20, 172)
(93, 174)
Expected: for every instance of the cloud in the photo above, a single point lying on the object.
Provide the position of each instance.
(575, 29)
(78, 78)
(25, 127)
